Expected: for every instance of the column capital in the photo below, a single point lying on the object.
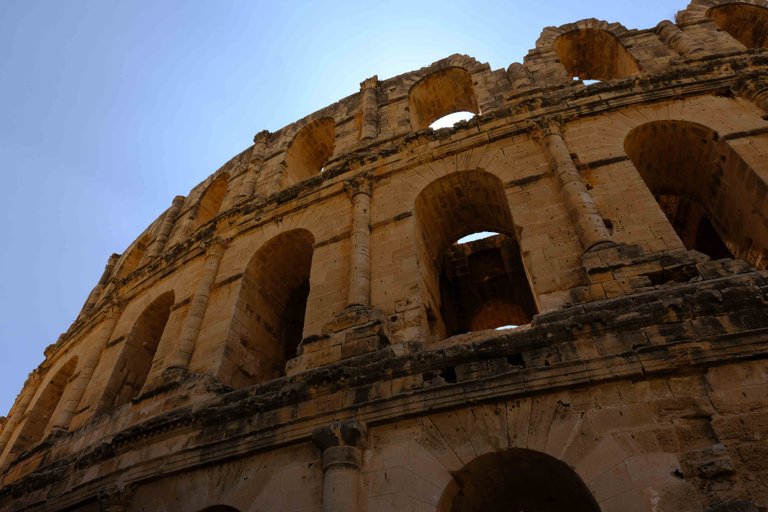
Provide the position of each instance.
(750, 86)
(347, 433)
(215, 246)
(360, 184)
(370, 83)
(548, 126)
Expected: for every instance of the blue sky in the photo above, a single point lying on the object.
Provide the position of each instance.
(110, 108)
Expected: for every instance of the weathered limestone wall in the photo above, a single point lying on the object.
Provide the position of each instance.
(286, 336)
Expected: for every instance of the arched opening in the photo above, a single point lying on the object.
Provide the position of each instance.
(451, 120)
(219, 508)
(706, 190)
(441, 93)
(133, 258)
(37, 423)
(460, 278)
(311, 148)
(210, 202)
(268, 323)
(746, 23)
(517, 480)
(135, 360)
(595, 54)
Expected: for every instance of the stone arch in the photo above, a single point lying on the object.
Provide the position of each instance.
(268, 321)
(594, 53)
(135, 360)
(311, 148)
(441, 93)
(133, 258)
(457, 278)
(516, 479)
(745, 22)
(39, 418)
(210, 202)
(706, 190)
(219, 508)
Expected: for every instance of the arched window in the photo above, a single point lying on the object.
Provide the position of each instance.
(595, 54)
(210, 202)
(746, 23)
(462, 281)
(135, 360)
(310, 149)
(708, 193)
(268, 323)
(220, 508)
(441, 93)
(517, 479)
(133, 258)
(37, 423)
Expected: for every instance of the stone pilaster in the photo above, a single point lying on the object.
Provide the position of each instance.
(214, 252)
(341, 445)
(256, 161)
(754, 87)
(676, 39)
(75, 389)
(589, 225)
(165, 228)
(19, 410)
(359, 292)
(369, 106)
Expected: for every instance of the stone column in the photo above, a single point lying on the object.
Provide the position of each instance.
(590, 227)
(96, 292)
(165, 228)
(198, 305)
(20, 408)
(676, 39)
(369, 106)
(341, 445)
(75, 389)
(255, 162)
(519, 77)
(753, 87)
(359, 291)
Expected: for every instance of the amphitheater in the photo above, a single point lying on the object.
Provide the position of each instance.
(309, 330)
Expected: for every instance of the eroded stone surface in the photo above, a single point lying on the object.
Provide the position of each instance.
(303, 331)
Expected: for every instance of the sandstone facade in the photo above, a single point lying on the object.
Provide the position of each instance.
(303, 332)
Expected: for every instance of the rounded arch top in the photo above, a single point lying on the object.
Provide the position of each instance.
(594, 51)
(311, 147)
(209, 204)
(745, 22)
(548, 35)
(516, 479)
(441, 93)
(461, 203)
(700, 10)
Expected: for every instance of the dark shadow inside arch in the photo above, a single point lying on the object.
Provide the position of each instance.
(595, 54)
(439, 94)
(461, 282)
(219, 508)
(712, 198)
(268, 322)
(517, 480)
(135, 360)
(746, 23)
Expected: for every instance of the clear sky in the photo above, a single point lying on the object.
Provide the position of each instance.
(110, 108)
